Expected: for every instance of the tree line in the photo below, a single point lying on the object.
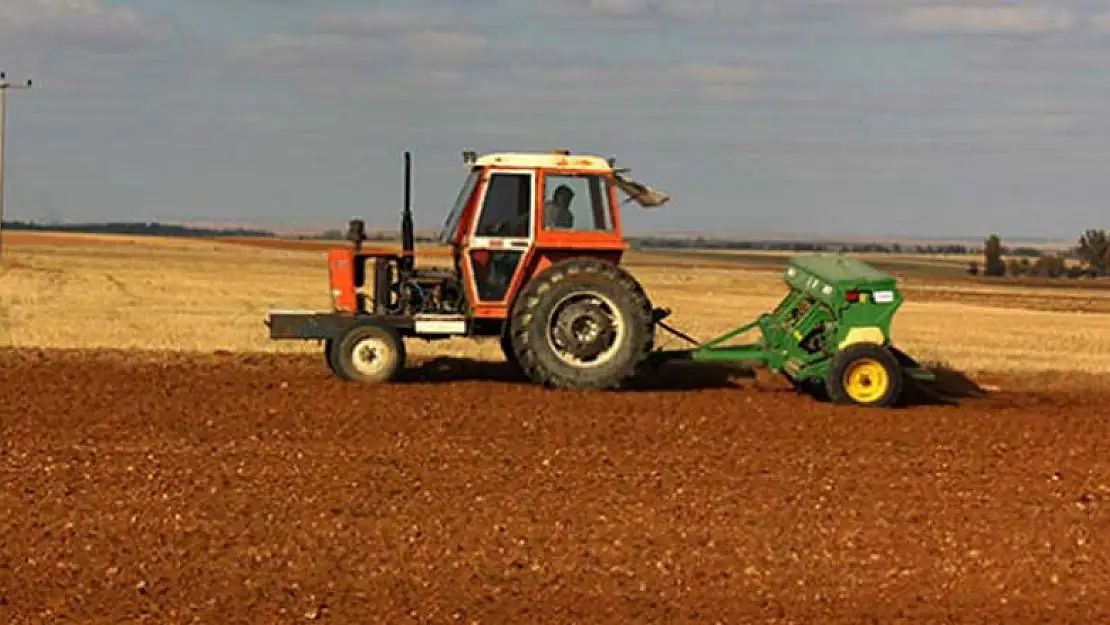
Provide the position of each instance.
(1090, 258)
(135, 228)
(703, 243)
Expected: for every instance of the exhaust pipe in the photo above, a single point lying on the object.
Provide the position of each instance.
(408, 243)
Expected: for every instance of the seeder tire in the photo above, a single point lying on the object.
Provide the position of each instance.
(533, 316)
(367, 354)
(865, 375)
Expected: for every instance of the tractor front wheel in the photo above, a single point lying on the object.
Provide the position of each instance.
(368, 354)
(329, 356)
(582, 324)
(865, 375)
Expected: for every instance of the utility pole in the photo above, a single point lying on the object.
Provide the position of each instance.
(4, 86)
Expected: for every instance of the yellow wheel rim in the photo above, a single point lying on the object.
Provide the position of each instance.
(866, 381)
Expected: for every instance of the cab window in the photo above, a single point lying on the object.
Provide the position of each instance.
(576, 202)
(507, 208)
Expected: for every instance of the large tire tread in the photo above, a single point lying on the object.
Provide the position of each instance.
(627, 294)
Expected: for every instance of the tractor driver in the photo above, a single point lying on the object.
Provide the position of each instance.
(556, 211)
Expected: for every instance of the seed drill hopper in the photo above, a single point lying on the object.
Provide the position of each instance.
(830, 335)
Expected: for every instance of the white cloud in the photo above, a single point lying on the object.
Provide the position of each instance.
(383, 22)
(431, 39)
(642, 9)
(982, 20)
(612, 7)
(1101, 23)
(566, 85)
(727, 82)
(87, 23)
(441, 45)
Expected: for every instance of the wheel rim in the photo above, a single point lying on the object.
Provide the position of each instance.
(585, 329)
(866, 381)
(371, 356)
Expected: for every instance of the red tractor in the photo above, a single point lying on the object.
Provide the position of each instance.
(537, 244)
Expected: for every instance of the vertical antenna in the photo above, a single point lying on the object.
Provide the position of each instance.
(4, 87)
(408, 243)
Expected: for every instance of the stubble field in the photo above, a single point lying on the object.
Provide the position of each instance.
(162, 460)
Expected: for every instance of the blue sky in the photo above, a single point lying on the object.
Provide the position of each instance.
(837, 117)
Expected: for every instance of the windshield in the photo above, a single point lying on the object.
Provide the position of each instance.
(447, 235)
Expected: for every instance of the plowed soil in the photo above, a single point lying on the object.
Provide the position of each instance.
(260, 490)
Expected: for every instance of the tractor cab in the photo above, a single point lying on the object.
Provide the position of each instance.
(518, 212)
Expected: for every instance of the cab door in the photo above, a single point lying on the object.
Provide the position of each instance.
(500, 238)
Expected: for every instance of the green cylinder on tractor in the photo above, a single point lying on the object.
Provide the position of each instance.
(829, 335)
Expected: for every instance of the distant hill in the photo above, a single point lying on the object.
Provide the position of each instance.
(151, 228)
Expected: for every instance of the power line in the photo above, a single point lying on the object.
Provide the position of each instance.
(4, 87)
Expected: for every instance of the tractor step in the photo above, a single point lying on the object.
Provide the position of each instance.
(322, 325)
(439, 324)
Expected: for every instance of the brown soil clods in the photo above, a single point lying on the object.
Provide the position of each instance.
(262, 490)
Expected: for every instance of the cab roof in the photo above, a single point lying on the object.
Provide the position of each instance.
(544, 160)
(638, 192)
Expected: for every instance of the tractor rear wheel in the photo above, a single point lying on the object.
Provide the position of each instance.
(368, 354)
(865, 375)
(507, 348)
(582, 324)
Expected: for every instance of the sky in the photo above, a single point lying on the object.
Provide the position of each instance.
(811, 117)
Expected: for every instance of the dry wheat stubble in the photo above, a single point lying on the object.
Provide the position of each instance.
(206, 295)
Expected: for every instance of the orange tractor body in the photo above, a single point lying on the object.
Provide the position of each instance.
(524, 228)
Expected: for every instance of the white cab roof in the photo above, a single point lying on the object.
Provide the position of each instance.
(544, 160)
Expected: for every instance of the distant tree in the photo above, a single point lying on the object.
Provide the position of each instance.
(1053, 266)
(973, 268)
(1094, 250)
(992, 255)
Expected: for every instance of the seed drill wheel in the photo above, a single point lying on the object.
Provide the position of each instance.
(582, 324)
(367, 353)
(865, 375)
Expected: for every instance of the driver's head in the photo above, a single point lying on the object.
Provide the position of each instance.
(562, 196)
